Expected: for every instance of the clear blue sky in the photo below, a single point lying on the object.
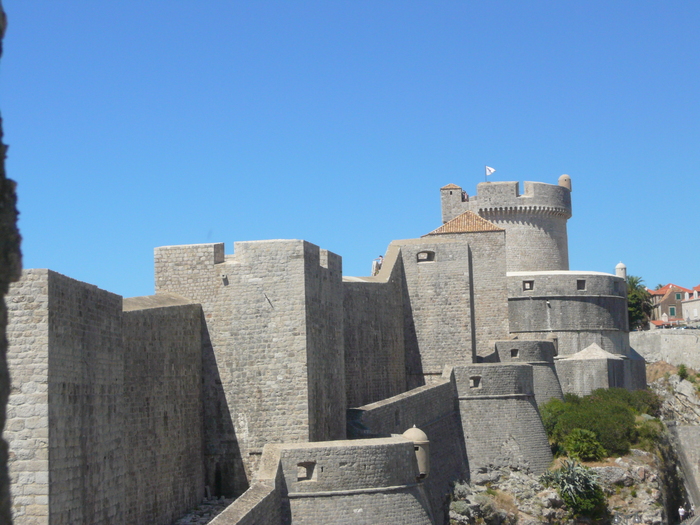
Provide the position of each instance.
(141, 123)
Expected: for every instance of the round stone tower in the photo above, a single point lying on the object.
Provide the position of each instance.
(535, 221)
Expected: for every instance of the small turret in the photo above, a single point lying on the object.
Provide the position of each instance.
(421, 445)
(565, 181)
(621, 270)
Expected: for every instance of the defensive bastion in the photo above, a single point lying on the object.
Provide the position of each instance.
(266, 374)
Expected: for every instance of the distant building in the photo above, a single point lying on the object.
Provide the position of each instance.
(667, 305)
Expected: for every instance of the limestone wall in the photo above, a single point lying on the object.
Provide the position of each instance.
(582, 376)
(373, 334)
(328, 482)
(351, 482)
(273, 347)
(454, 303)
(673, 346)
(500, 420)
(105, 416)
(578, 308)
(325, 357)
(432, 409)
(162, 443)
(539, 355)
(27, 428)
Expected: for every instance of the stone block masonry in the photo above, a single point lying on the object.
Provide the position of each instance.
(67, 406)
(105, 416)
(274, 336)
(373, 334)
(500, 420)
(162, 438)
(339, 482)
(432, 409)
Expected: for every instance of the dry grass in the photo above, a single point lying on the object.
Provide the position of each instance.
(661, 368)
(658, 370)
(505, 501)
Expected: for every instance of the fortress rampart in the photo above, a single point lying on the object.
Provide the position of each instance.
(539, 355)
(266, 360)
(500, 421)
(97, 420)
(576, 308)
(330, 482)
(373, 330)
(433, 409)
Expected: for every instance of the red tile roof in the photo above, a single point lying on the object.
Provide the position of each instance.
(451, 186)
(669, 287)
(468, 222)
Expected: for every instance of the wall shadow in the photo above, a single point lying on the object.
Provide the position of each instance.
(224, 472)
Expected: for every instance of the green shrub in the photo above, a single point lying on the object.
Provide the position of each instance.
(579, 488)
(646, 402)
(612, 423)
(682, 371)
(582, 445)
(550, 413)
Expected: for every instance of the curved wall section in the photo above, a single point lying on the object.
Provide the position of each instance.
(576, 308)
(500, 420)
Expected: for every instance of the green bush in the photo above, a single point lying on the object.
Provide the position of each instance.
(646, 402)
(550, 413)
(612, 424)
(582, 445)
(579, 488)
(682, 371)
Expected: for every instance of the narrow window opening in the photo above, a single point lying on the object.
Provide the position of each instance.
(425, 256)
(475, 382)
(306, 471)
(581, 284)
(528, 285)
(514, 353)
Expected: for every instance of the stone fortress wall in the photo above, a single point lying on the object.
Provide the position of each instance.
(576, 308)
(286, 347)
(104, 404)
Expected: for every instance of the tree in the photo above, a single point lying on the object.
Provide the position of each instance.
(638, 302)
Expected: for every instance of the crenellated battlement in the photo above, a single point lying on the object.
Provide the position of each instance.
(505, 198)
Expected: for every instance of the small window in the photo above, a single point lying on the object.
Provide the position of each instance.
(580, 284)
(306, 471)
(678, 297)
(528, 285)
(514, 353)
(425, 256)
(672, 311)
(475, 382)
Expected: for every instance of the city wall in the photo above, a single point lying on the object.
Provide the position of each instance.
(274, 329)
(432, 409)
(359, 481)
(673, 346)
(162, 438)
(500, 421)
(373, 334)
(450, 316)
(539, 355)
(577, 308)
(119, 442)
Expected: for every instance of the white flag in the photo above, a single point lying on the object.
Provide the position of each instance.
(489, 170)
